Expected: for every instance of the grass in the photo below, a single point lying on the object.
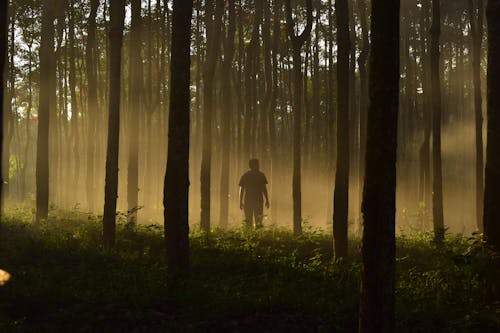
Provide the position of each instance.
(63, 280)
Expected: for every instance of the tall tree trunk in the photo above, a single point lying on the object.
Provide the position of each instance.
(7, 104)
(92, 102)
(4, 19)
(297, 43)
(424, 152)
(42, 154)
(117, 16)
(213, 46)
(492, 172)
(278, 6)
(227, 114)
(376, 312)
(363, 92)
(28, 123)
(437, 181)
(341, 195)
(136, 77)
(476, 25)
(75, 142)
(176, 189)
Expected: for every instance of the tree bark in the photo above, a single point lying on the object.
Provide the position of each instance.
(341, 192)
(136, 77)
(75, 139)
(379, 196)
(297, 42)
(227, 114)
(92, 102)
(117, 15)
(476, 25)
(42, 154)
(363, 92)
(213, 46)
(492, 172)
(4, 23)
(176, 189)
(437, 181)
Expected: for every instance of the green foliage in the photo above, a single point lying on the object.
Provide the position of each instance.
(63, 279)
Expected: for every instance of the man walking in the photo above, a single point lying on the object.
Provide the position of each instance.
(253, 190)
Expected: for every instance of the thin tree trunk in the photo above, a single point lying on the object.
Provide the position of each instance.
(341, 195)
(363, 92)
(42, 154)
(297, 43)
(278, 6)
(477, 36)
(117, 15)
(437, 182)
(213, 35)
(176, 189)
(75, 142)
(92, 102)
(134, 111)
(227, 114)
(4, 23)
(492, 172)
(377, 313)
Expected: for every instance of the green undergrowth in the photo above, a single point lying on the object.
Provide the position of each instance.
(62, 279)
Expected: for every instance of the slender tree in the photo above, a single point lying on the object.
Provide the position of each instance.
(437, 181)
(42, 153)
(226, 118)
(297, 42)
(363, 91)
(379, 194)
(134, 111)
(92, 101)
(213, 21)
(117, 17)
(476, 25)
(176, 189)
(341, 192)
(75, 107)
(492, 171)
(3, 59)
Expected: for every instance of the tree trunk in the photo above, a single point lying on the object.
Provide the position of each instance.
(227, 113)
(376, 312)
(92, 102)
(476, 25)
(437, 181)
(213, 34)
(75, 142)
(492, 172)
(117, 15)
(363, 92)
(136, 77)
(176, 189)
(424, 152)
(42, 154)
(341, 195)
(297, 43)
(3, 60)
(278, 6)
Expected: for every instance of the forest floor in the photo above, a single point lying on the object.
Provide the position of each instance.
(266, 281)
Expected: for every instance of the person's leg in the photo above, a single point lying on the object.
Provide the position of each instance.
(248, 209)
(259, 215)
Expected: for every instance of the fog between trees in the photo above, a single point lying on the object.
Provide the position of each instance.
(242, 57)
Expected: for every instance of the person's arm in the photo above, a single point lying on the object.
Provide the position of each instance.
(242, 193)
(266, 196)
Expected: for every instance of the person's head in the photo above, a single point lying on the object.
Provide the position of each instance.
(254, 164)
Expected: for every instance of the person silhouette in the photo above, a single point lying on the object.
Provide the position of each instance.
(253, 190)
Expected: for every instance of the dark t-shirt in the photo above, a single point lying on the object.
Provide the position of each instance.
(254, 183)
